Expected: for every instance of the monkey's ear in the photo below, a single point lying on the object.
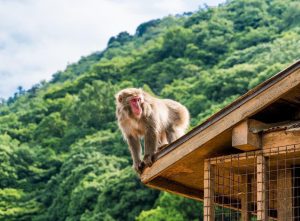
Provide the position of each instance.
(119, 97)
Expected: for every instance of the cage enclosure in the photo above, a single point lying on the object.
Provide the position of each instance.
(254, 185)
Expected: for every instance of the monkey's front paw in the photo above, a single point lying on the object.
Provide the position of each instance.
(148, 160)
(139, 167)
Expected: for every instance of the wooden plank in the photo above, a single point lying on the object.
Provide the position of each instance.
(208, 206)
(209, 187)
(171, 186)
(243, 138)
(250, 107)
(284, 194)
(280, 138)
(246, 198)
(262, 189)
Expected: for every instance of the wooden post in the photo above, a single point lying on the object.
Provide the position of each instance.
(209, 210)
(284, 194)
(262, 188)
(246, 197)
(243, 138)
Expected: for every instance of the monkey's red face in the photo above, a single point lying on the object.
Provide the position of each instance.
(136, 105)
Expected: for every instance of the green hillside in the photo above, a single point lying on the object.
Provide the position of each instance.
(62, 155)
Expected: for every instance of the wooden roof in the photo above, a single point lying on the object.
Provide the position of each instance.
(178, 168)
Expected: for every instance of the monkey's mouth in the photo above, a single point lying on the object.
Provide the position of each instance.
(135, 107)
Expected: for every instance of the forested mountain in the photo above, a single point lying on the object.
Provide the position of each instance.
(62, 155)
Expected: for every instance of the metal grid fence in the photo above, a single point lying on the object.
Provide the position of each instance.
(258, 185)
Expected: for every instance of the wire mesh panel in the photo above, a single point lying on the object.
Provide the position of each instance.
(258, 185)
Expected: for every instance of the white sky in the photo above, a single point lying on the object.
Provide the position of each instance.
(38, 38)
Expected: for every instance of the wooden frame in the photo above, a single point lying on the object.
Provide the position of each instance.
(243, 138)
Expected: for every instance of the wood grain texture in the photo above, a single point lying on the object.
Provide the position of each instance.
(280, 138)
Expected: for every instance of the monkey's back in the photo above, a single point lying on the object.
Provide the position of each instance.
(178, 114)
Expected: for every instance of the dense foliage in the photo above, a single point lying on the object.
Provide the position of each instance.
(62, 155)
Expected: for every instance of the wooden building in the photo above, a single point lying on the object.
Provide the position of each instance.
(244, 161)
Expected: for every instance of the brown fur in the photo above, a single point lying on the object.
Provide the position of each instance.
(162, 121)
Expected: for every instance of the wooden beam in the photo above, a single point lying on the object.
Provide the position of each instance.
(246, 198)
(262, 189)
(287, 151)
(280, 138)
(253, 104)
(171, 186)
(284, 194)
(243, 138)
(209, 187)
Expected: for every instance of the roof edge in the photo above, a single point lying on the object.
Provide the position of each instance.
(229, 108)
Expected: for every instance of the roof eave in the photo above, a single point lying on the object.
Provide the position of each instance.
(278, 85)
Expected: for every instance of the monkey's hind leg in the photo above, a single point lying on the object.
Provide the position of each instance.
(163, 142)
(174, 133)
(151, 142)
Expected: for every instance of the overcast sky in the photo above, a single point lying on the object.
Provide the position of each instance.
(38, 38)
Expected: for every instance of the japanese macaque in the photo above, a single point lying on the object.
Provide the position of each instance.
(158, 121)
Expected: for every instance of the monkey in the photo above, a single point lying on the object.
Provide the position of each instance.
(158, 121)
